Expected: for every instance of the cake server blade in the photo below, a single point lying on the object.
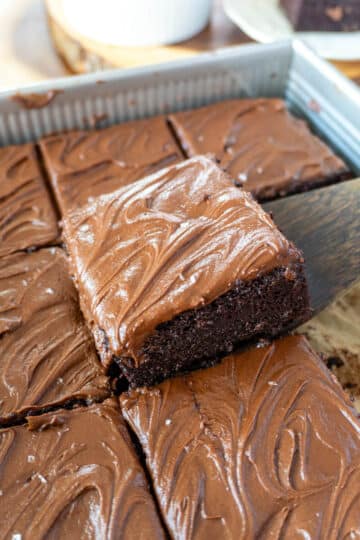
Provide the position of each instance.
(325, 225)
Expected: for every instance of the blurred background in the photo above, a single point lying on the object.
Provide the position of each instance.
(43, 39)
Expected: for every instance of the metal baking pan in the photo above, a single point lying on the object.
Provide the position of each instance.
(312, 88)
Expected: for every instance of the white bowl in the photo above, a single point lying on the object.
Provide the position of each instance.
(137, 22)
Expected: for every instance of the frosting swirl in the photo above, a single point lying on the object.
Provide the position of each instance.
(264, 445)
(47, 355)
(260, 144)
(85, 164)
(27, 218)
(171, 242)
(74, 474)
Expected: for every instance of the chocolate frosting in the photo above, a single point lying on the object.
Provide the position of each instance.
(260, 144)
(36, 100)
(27, 218)
(74, 475)
(83, 164)
(171, 242)
(264, 445)
(47, 354)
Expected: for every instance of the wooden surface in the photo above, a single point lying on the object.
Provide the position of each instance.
(27, 53)
(83, 55)
(328, 233)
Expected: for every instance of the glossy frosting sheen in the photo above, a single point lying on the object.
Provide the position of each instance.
(47, 355)
(83, 164)
(171, 242)
(264, 445)
(27, 218)
(259, 143)
(73, 475)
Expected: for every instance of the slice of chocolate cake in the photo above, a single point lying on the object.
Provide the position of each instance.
(323, 15)
(179, 267)
(47, 355)
(261, 145)
(27, 218)
(264, 445)
(85, 164)
(74, 475)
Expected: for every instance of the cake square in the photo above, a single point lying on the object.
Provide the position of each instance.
(261, 145)
(179, 267)
(27, 218)
(74, 474)
(47, 355)
(85, 164)
(263, 445)
(323, 15)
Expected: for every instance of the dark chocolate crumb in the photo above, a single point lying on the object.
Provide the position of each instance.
(334, 361)
(350, 385)
(148, 202)
(97, 119)
(290, 274)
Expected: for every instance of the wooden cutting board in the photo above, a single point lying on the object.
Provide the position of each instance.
(82, 55)
(27, 53)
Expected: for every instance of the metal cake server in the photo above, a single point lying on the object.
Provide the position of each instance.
(325, 225)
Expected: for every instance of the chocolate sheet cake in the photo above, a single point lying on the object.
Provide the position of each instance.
(263, 445)
(261, 145)
(179, 267)
(74, 475)
(323, 15)
(85, 164)
(27, 218)
(47, 356)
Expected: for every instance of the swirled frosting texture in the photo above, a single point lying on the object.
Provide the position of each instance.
(86, 164)
(171, 242)
(47, 354)
(264, 445)
(27, 218)
(74, 475)
(260, 144)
